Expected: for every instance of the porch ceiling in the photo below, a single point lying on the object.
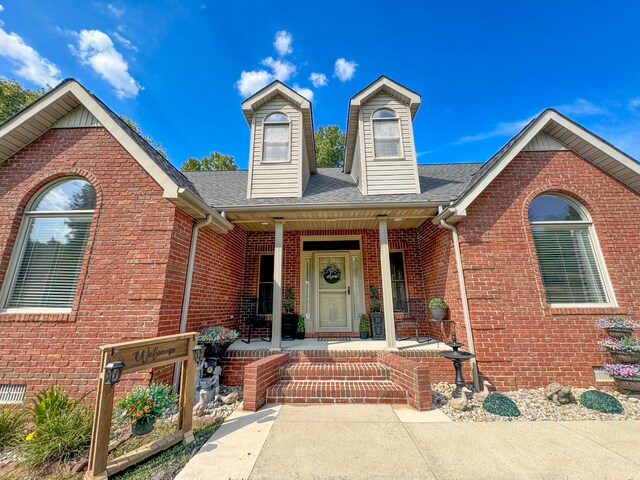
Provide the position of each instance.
(324, 219)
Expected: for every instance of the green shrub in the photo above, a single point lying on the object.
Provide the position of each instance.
(601, 401)
(502, 405)
(62, 428)
(12, 425)
(364, 324)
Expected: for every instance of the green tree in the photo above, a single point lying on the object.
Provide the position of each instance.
(215, 161)
(14, 97)
(330, 144)
(134, 126)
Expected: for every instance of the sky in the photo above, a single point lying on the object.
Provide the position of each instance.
(484, 69)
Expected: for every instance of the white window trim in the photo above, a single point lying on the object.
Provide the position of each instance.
(597, 251)
(6, 290)
(264, 138)
(399, 137)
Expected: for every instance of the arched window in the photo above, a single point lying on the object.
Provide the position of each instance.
(276, 138)
(572, 268)
(50, 248)
(386, 134)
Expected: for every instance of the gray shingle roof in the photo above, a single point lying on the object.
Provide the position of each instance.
(439, 183)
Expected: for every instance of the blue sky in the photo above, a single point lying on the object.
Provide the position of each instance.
(483, 68)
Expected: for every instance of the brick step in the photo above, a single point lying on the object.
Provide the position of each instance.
(324, 356)
(334, 371)
(320, 391)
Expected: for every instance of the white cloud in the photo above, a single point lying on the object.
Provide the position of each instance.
(634, 103)
(27, 62)
(125, 42)
(96, 49)
(503, 129)
(251, 82)
(422, 154)
(283, 42)
(581, 107)
(305, 92)
(115, 11)
(282, 69)
(1, 8)
(318, 79)
(344, 69)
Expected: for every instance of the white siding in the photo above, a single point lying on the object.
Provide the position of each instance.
(543, 142)
(270, 180)
(389, 176)
(80, 117)
(305, 163)
(356, 167)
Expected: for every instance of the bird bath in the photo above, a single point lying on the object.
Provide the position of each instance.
(457, 357)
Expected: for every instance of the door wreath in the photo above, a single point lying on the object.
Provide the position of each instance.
(331, 274)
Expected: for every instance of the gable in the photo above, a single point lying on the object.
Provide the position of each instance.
(80, 117)
(543, 143)
(556, 129)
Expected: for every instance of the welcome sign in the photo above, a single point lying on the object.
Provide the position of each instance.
(142, 354)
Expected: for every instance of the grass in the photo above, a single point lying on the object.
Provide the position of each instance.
(12, 425)
(166, 464)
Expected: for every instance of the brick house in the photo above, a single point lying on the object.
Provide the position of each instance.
(103, 240)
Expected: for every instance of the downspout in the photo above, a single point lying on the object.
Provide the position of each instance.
(187, 289)
(465, 301)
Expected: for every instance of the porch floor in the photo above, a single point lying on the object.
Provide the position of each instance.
(338, 344)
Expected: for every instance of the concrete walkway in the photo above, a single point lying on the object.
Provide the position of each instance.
(384, 442)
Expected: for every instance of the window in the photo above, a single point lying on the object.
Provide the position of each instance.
(265, 285)
(50, 246)
(572, 271)
(276, 138)
(398, 282)
(386, 134)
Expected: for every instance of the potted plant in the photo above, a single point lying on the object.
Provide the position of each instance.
(438, 309)
(364, 327)
(616, 327)
(217, 340)
(289, 317)
(142, 405)
(624, 349)
(626, 375)
(300, 328)
(376, 316)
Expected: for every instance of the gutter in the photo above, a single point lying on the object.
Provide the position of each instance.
(187, 289)
(465, 301)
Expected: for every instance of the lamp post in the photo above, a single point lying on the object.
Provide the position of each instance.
(112, 372)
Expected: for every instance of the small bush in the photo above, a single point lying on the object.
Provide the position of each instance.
(502, 405)
(12, 425)
(601, 401)
(62, 429)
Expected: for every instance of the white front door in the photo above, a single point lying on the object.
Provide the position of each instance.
(333, 300)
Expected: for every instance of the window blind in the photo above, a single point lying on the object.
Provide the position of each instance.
(276, 143)
(386, 138)
(47, 274)
(568, 264)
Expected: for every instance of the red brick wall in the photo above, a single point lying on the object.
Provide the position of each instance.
(412, 376)
(133, 271)
(258, 377)
(520, 341)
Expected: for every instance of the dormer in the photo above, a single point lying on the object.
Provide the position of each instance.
(282, 154)
(380, 153)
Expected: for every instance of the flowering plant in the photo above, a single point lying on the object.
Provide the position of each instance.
(218, 335)
(144, 402)
(616, 323)
(623, 370)
(625, 345)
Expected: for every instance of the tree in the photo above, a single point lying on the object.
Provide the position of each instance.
(134, 126)
(215, 161)
(330, 144)
(14, 97)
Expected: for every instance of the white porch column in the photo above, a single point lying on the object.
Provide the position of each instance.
(387, 295)
(276, 315)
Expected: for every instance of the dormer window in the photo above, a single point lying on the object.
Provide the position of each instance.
(276, 138)
(386, 134)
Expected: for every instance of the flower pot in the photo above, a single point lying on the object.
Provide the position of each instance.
(438, 314)
(632, 384)
(300, 335)
(289, 325)
(377, 325)
(142, 426)
(215, 349)
(622, 357)
(619, 332)
(364, 335)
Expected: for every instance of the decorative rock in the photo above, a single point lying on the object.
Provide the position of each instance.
(559, 394)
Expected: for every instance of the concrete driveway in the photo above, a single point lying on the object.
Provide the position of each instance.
(383, 442)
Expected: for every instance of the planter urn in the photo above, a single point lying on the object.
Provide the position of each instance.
(619, 332)
(142, 426)
(364, 335)
(215, 349)
(438, 314)
(632, 384)
(377, 325)
(624, 357)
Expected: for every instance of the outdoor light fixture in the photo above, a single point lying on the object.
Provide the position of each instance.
(112, 372)
(198, 354)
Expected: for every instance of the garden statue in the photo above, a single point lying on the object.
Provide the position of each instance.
(559, 394)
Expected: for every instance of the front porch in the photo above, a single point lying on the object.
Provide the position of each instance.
(342, 345)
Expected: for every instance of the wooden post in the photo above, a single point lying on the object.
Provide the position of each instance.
(97, 466)
(187, 387)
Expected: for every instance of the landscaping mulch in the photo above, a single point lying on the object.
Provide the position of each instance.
(534, 406)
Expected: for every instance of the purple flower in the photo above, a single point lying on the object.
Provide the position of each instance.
(623, 370)
(615, 322)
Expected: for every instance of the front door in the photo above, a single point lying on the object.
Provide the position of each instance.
(333, 292)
